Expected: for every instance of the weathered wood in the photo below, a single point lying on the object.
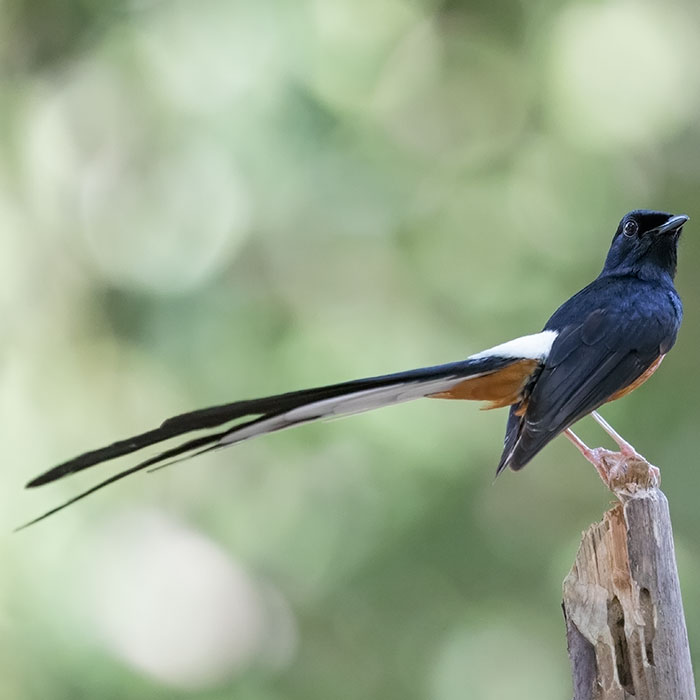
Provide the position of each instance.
(625, 626)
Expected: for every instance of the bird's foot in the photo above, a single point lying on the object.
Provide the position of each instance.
(628, 475)
(655, 473)
(624, 473)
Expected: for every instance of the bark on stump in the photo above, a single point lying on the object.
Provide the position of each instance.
(625, 626)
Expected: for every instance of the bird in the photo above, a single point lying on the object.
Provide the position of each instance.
(598, 346)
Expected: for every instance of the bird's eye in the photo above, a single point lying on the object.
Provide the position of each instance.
(630, 228)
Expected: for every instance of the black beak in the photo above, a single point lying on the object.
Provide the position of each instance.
(673, 224)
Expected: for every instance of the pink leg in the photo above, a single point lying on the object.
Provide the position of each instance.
(624, 446)
(593, 456)
(611, 465)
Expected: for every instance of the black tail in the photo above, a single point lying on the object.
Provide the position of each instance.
(272, 413)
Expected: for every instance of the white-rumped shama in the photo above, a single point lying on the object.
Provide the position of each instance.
(598, 346)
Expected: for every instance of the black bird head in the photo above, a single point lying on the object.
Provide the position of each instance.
(645, 245)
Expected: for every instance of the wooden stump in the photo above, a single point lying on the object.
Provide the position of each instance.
(625, 626)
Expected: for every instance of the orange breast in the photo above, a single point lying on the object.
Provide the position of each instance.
(502, 387)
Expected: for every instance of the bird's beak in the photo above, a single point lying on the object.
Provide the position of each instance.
(673, 224)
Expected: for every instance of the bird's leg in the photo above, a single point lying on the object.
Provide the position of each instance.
(625, 448)
(594, 456)
(616, 469)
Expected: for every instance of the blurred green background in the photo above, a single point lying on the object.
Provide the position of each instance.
(213, 200)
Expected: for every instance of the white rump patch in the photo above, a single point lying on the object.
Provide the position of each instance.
(529, 347)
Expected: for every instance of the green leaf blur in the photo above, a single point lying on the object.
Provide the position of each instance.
(206, 201)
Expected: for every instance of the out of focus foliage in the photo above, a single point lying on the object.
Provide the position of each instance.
(204, 201)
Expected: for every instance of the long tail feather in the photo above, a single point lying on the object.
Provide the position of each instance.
(281, 411)
(193, 446)
(269, 406)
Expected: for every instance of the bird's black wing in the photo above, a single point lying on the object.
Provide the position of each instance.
(588, 364)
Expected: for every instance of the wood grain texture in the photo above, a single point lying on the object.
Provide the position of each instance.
(626, 630)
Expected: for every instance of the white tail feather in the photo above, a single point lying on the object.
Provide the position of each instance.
(357, 402)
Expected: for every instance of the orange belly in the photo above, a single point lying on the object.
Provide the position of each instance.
(637, 382)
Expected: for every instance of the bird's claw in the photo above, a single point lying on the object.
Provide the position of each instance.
(626, 474)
